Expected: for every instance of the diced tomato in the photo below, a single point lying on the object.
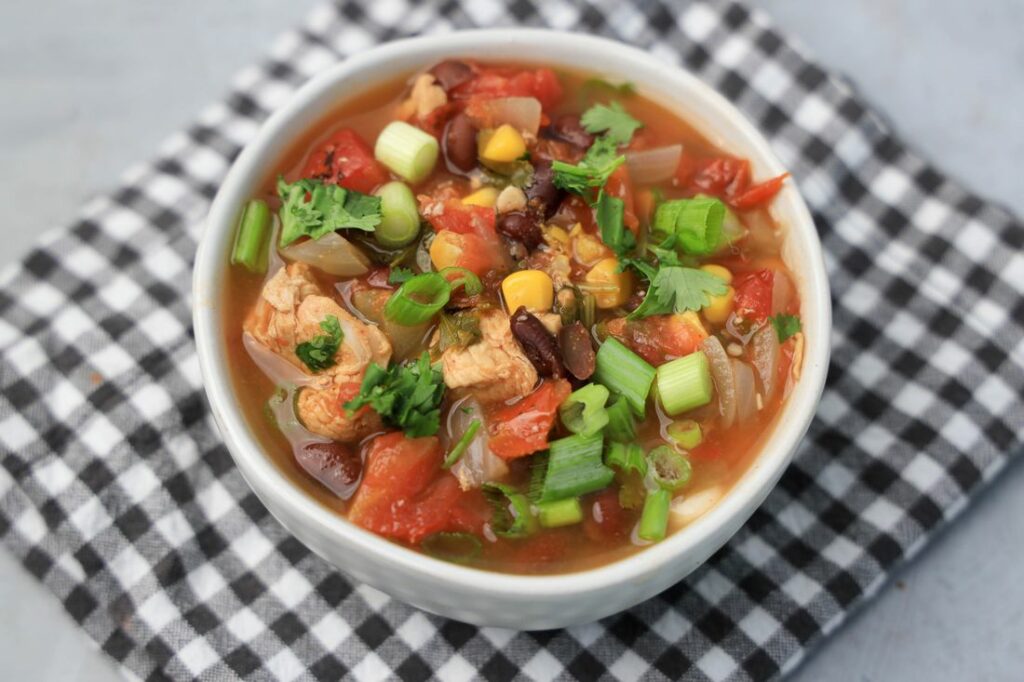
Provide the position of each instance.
(754, 295)
(461, 218)
(658, 338)
(345, 159)
(490, 83)
(760, 194)
(728, 179)
(522, 428)
(603, 516)
(405, 496)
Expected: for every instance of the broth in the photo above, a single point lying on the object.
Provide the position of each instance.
(724, 454)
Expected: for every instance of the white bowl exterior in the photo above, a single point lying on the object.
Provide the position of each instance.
(474, 596)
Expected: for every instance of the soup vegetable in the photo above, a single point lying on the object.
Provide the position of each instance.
(523, 320)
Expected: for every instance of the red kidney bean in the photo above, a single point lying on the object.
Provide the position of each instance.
(577, 350)
(337, 466)
(451, 73)
(567, 127)
(460, 143)
(522, 226)
(538, 343)
(541, 193)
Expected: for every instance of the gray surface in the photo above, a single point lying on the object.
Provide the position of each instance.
(88, 89)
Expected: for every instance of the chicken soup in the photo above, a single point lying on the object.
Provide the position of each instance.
(516, 318)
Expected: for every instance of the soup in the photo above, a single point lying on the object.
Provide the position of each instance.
(524, 320)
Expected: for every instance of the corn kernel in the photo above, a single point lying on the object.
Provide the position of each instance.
(588, 249)
(485, 196)
(611, 289)
(445, 250)
(718, 271)
(503, 145)
(720, 307)
(689, 317)
(530, 288)
(555, 234)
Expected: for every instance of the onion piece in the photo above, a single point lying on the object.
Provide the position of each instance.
(274, 260)
(746, 391)
(654, 165)
(782, 292)
(766, 351)
(332, 253)
(522, 113)
(283, 409)
(283, 373)
(725, 381)
(355, 340)
(478, 464)
(688, 508)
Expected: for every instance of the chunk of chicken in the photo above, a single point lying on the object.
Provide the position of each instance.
(288, 313)
(424, 97)
(494, 368)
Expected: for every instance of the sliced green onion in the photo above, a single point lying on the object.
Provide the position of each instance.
(459, 548)
(588, 309)
(250, 248)
(669, 470)
(621, 423)
(624, 372)
(400, 218)
(512, 517)
(465, 278)
(406, 150)
(418, 300)
(685, 433)
(460, 447)
(696, 222)
(654, 517)
(685, 383)
(583, 411)
(574, 468)
(560, 513)
(626, 458)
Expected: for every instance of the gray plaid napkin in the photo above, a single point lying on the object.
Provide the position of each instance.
(116, 492)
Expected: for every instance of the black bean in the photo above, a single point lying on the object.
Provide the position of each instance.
(451, 73)
(538, 343)
(568, 128)
(335, 465)
(522, 226)
(460, 143)
(541, 193)
(577, 350)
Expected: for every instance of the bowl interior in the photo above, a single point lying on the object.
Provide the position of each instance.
(679, 92)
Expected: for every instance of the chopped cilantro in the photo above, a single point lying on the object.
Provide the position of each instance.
(328, 208)
(600, 161)
(677, 289)
(613, 120)
(318, 352)
(400, 275)
(406, 396)
(785, 325)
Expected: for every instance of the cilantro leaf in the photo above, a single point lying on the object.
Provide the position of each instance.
(611, 119)
(405, 396)
(400, 275)
(458, 330)
(318, 352)
(600, 161)
(785, 325)
(677, 289)
(328, 208)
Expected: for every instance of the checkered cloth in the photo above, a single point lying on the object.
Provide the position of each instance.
(116, 492)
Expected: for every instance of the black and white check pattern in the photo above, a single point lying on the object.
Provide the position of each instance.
(116, 491)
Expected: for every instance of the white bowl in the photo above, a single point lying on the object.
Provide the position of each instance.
(467, 594)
